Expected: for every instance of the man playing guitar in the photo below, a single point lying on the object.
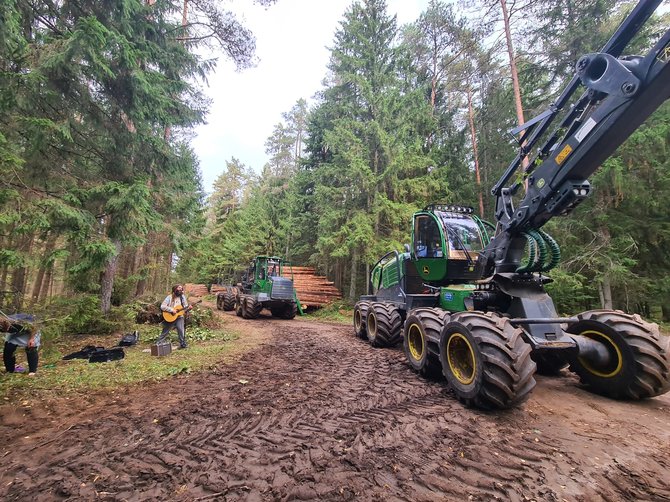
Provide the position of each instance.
(175, 304)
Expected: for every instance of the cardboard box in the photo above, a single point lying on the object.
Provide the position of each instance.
(161, 350)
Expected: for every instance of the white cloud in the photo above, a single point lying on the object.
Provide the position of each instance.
(291, 43)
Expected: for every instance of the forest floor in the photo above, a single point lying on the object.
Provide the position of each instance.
(309, 412)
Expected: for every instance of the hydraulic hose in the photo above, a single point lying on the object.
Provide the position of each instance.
(542, 246)
(543, 252)
(532, 245)
(554, 250)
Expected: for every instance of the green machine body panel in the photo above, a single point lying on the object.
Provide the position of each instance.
(452, 298)
(389, 271)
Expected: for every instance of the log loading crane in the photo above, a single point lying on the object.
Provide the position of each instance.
(467, 299)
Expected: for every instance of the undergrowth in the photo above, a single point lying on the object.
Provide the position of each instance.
(206, 348)
(340, 311)
(69, 325)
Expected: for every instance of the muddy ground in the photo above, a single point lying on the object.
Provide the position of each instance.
(312, 413)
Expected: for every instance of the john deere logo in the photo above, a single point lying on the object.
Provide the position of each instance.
(426, 270)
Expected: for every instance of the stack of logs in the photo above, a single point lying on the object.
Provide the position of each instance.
(314, 291)
(199, 290)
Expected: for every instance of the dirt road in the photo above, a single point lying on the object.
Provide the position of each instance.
(313, 413)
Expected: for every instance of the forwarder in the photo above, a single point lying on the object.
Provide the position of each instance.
(262, 286)
(468, 299)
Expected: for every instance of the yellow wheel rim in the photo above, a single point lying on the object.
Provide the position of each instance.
(415, 342)
(461, 358)
(608, 372)
(357, 320)
(372, 325)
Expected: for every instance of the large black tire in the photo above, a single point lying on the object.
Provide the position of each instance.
(422, 338)
(486, 360)
(251, 308)
(289, 311)
(383, 325)
(219, 301)
(550, 362)
(360, 318)
(639, 364)
(228, 302)
(239, 306)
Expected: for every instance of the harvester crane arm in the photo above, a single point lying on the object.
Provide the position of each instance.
(621, 92)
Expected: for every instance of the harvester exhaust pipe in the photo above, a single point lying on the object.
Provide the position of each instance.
(592, 350)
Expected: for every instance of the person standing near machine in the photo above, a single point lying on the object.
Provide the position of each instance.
(175, 303)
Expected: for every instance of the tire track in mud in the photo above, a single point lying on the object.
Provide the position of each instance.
(323, 415)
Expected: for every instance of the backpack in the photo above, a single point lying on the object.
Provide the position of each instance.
(130, 339)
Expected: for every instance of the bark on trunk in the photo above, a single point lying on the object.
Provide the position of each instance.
(21, 273)
(352, 285)
(665, 310)
(512, 63)
(107, 279)
(142, 283)
(518, 105)
(475, 153)
(47, 286)
(605, 291)
(41, 273)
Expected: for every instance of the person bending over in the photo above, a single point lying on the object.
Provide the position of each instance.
(20, 333)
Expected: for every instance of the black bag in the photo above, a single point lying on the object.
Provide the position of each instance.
(84, 353)
(130, 339)
(107, 355)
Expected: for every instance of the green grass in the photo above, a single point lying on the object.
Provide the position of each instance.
(340, 312)
(206, 349)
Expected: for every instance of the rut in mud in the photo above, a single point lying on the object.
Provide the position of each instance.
(314, 413)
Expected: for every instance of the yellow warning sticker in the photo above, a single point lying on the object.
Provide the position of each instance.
(664, 55)
(560, 158)
(426, 270)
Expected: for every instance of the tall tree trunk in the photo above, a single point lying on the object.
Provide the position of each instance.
(46, 290)
(605, 292)
(39, 279)
(168, 275)
(665, 310)
(21, 273)
(141, 261)
(5, 269)
(352, 284)
(38, 286)
(367, 278)
(374, 195)
(512, 64)
(433, 84)
(107, 279)
(473, 137)
(605, 285)
(518, 104)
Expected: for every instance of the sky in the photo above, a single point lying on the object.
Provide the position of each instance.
(292, 40)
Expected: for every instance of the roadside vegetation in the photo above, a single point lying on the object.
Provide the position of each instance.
(210, 342)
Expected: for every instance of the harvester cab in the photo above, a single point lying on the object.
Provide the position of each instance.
(447, 241)
(467, 299)
(265, 285)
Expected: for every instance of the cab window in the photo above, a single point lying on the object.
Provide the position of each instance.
(427, 238)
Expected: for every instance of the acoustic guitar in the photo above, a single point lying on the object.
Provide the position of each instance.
(179, 311)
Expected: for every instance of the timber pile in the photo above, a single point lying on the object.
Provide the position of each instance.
(312, 290)
(198, 290)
